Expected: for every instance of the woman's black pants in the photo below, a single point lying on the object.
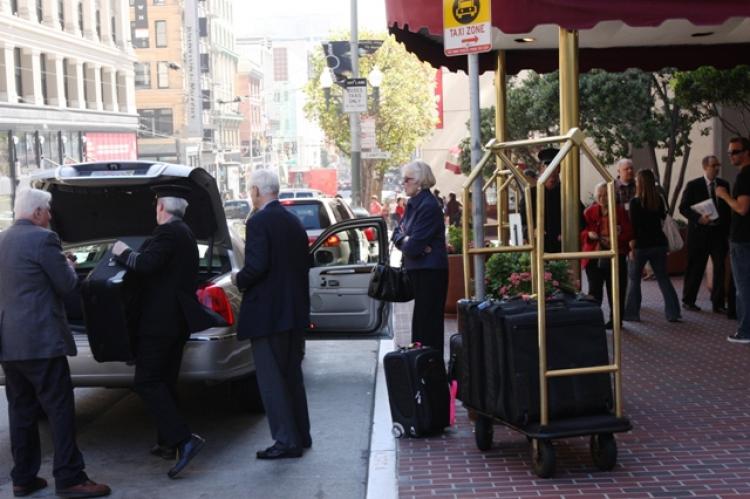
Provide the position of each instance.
(430, 289)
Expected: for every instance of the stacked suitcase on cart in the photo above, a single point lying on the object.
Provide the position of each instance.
(496, 363)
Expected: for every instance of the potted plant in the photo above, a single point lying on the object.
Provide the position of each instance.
(509, 274)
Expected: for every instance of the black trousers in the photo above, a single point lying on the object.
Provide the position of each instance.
(703, 242)
(157, 365)
(33, 386)
(600, 277)
(278, 368)
(430, 290)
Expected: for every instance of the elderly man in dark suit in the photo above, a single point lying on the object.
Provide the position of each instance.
(275, 312)
(35, 342)
(167, 264)
(706, 236)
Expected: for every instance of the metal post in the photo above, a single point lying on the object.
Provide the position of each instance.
(570, 168)
(356, 150)
(477, 201)
(501, 135)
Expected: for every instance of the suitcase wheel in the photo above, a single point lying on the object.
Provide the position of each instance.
(542, 458)
(603, 451)
(483, 432)
(398, 430)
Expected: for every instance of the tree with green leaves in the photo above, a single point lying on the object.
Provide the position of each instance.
(406, 113)
(713, 89)
(619, 111)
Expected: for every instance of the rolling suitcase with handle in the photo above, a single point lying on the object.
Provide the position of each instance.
(417, 391)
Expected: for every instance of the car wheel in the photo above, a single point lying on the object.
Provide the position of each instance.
(245, 393)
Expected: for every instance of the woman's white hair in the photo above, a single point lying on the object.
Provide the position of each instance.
(28, 201)
(600, 185)
(421, 171)
(174, 206)
(266, 181)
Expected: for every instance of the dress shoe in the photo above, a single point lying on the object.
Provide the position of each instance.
(164, 452)
(278, 452)
(720, 310)
(676, 319)
(185, 452)
(31, 487)
(84, 489)
(691, 306)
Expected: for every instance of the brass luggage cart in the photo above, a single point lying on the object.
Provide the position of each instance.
(601, 427)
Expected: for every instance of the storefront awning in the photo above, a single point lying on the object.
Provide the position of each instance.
(613, 34)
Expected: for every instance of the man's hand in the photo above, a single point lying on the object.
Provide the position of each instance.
(722, 192)
(593, 235)
(704, 220)
(119, 247)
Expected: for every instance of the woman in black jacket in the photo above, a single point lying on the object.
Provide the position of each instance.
(421, 238)
(647, 212)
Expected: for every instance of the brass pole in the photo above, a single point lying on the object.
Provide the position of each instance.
(537, 260)
(501, 134)
(569, 118)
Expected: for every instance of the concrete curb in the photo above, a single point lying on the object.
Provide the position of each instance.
(381, 475)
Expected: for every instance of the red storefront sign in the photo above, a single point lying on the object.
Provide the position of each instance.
(110, 146)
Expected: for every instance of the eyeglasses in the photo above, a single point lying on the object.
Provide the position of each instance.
(406, 180)
(734, 152)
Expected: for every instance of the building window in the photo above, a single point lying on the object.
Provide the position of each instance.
(208, 135)
(98, 17)
(102, 84)
(80, 16)
(155, 122)
(14, 7)
(39, 10)
(206, 95)
(160, 32)
(19, 72)
(280, 65)
(43, 69)
(205, 63)
(202, 26)
(162, 74)
(61, 13)
(66, 81)
(142, 75)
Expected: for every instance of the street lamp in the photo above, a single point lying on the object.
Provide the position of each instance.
(325, 83)
(375, 78)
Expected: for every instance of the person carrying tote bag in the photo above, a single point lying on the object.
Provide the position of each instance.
(421, 238)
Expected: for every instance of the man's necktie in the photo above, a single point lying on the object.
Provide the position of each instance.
(712, 191)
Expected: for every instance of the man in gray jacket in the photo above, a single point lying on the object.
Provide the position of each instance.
(34, 344)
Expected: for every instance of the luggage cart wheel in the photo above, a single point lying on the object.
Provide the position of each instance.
(542, 458)
(483, 432)
(397, 430)
(603, 451)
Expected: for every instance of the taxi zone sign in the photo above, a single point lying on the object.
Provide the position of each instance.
(467, 26)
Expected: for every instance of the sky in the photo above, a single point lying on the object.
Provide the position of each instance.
(305, 18)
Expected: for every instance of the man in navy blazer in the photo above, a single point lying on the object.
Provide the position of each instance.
(275, 313)
(705, 236)
(35, 341)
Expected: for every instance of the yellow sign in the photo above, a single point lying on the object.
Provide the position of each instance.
(467, 26)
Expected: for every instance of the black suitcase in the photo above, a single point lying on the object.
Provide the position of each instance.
(417, 391)
(109, 295)
(575, 338)
(472, 358)
(454, 362)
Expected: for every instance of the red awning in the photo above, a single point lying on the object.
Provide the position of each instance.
(613, 34)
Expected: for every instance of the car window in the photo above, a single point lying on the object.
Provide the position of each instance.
(286, 195)
(312, 215)
(349, 247)
(236, 209)
(306, 194)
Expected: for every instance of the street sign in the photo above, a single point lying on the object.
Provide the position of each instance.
(355, 95)
(376, 154)
(367, 133)
(467, 27)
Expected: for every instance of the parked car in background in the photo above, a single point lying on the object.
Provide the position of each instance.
(299, 193)
(95, 204)
(237, 208)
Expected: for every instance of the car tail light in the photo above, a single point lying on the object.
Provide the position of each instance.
(216, 299)
(332, 241)
(286, 202)
(370, 234)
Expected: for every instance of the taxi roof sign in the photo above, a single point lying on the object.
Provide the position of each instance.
(467, 26)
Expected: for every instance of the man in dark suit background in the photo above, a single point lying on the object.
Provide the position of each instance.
(705, 236)
(275, 312)
(167, 264)
(35, 341)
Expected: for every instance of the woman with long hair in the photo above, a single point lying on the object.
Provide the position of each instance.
(647, 212)
(421, 238)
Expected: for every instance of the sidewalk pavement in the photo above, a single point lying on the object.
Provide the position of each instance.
(685, 390)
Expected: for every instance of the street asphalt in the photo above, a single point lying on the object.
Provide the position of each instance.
(115, 433)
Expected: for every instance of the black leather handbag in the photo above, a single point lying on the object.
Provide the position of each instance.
(390, 284)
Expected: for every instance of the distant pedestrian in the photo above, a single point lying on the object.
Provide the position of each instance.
(35, 341)
(376, 209)
(453, 210)
(440, 199)
(400, 208)
(421, 238)
(275, 313)
(739, 236)
(647, 211)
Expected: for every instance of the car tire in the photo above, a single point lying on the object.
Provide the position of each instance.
(246, 394)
